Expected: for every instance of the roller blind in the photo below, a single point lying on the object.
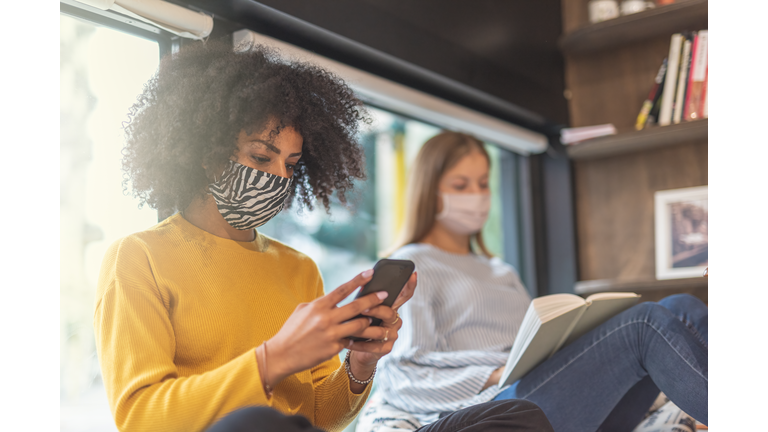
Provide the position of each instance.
(167, 16)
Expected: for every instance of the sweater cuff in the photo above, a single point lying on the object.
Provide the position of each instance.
(483, 373)
(356, 401)
(249, 365)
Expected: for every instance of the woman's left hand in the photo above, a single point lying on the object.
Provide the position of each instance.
(383, 337)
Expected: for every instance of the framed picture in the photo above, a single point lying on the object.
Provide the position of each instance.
(681, 232)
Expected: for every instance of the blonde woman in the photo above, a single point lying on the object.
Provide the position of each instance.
(460, 324)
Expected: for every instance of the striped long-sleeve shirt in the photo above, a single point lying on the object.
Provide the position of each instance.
(457, 329)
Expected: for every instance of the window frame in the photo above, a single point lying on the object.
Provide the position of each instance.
(167, 42)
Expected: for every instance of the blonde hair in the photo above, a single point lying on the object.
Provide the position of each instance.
(439, 154)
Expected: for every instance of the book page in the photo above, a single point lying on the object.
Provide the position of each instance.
(539, 346)
(554, 305)
(600, 308)
(610, 295)
(528, 328)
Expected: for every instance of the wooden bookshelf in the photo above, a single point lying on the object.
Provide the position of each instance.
(638, 285)
(646, 139)
(649, 289)
(624, 30)
(610, 68)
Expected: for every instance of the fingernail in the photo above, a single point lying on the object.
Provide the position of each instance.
(366, 311)
(368, 273)
(382, 295)
(370, 321)
(350, 343)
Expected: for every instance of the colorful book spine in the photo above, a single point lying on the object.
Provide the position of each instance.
(673, 67)
(653, 96)
(705, 95)
(682, 81)
(689, 87)
(654, 115)
(694, 105)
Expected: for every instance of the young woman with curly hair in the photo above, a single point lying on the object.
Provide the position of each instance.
(202, 315)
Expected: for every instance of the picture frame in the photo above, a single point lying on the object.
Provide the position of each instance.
(681, 229)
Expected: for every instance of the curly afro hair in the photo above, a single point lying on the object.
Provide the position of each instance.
(191, 111)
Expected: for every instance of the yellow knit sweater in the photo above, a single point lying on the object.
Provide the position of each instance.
(178, 314)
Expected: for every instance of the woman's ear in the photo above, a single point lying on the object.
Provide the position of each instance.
(208, 173)
(211, 174)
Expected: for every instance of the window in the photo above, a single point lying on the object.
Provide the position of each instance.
(102, 72)
(346, 242)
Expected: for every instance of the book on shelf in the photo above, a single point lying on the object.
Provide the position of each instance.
(653, 116)
(705, 94)
(697, 80)
(682, 91)
(653, 97)
(682, 80)
(579, 134)
(554, 321)
(673, 69)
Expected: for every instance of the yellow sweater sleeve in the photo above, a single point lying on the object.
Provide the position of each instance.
(136, 347)
(335, 404)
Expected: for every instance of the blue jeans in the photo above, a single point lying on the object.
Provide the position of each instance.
(608, 379)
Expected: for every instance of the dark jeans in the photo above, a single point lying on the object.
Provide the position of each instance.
(262, 419)
(607, 379)
(494, 416)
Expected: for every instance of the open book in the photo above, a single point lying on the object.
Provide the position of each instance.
(556, 320)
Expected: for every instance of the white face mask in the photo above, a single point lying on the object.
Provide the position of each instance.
(464, 213)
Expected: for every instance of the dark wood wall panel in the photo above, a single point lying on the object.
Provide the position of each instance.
(610, 86)
(615, 207)
(504, 48)
(575, 14)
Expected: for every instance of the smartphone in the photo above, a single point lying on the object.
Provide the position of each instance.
(388, 275)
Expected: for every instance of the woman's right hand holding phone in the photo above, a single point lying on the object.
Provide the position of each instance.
(317, 331)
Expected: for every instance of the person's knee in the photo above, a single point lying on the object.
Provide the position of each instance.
(260, 418)
(651, 312)
(532, 413)
(679, 297)
(645, 309)
(522, 405)
(241, 419)
(254, 413)
(681, 302)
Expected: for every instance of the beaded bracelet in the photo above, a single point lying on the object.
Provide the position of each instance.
(352, 377)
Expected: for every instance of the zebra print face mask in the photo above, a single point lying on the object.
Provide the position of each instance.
(249, 198)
